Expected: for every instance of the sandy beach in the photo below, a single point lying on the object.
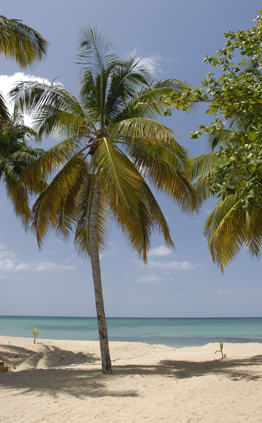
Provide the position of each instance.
(61, 381)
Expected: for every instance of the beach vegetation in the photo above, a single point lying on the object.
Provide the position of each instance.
(113, 150)
(36, 333)
(221, 346)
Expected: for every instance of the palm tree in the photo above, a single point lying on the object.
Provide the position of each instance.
(15, 155)
(22, 43)
(114, 148)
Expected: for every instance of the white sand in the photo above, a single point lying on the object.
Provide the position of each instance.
(61, 381)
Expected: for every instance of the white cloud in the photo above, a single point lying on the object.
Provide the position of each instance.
(178, 265)
(238, 293)
(159, 251)
(111, 249)
(220, 291)
(7, 260)
(153, 278)
(10, 263)
(48, 266)
(70, 258)
(8, 82)
(151, 62)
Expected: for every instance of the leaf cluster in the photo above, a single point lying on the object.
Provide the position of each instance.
(240, 169)
(237, 90)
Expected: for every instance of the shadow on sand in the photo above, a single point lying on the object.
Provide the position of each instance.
(90, 382)
(48, 356)
(236, 369)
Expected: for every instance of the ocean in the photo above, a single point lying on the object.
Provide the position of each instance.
(173, 332)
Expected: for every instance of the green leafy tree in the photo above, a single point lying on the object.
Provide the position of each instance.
(233, 173)
(236, 180)
(22, 43)
(114, 149)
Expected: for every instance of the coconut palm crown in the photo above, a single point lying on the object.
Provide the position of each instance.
(114, 148)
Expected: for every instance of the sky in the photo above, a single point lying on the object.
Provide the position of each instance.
(172, 37)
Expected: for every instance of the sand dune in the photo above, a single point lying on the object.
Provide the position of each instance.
(61, 381)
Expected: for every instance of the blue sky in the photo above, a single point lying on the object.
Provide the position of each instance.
(172, 37)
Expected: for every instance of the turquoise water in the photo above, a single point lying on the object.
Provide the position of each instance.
(171, 332)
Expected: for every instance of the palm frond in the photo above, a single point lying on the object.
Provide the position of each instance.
(221, 138)
(141, 222)
(21, 42)
(203, 164)
(253, 241)
(201, 185)
(117, 174)
(84, 208)
(18, 195)
(4, 113)
(126, 78)
(225, 230)
(168, 170)
(156, 98)
(157, 216)
(67, 215)
(55, 207)
(136, 226)
(48, 163)
(97, 63)
(26, 155)
(150, 101)
(203, 167)
(94, 50)
(143, 128)
(168, 150)
(54, 108)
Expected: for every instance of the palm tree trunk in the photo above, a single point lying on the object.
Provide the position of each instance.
(95, 262)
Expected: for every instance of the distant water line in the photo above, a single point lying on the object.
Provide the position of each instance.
(173, 332)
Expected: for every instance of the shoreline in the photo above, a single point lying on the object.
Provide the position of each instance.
(226, 339)
(61, 381)
(176, 333)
